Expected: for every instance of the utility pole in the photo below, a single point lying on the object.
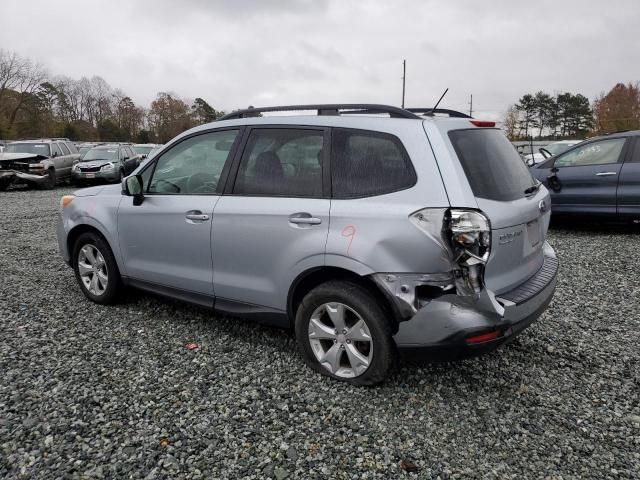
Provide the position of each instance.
(404, 76)
(471, 106)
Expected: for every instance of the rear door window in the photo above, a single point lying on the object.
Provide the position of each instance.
(368, 163)
(492, 165)
(282, 162)
(72, 148)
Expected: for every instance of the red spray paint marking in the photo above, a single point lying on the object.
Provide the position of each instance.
(349, 231)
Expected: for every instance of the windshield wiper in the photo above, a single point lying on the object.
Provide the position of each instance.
(532, 189)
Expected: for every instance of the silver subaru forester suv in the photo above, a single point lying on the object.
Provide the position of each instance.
(370, 230)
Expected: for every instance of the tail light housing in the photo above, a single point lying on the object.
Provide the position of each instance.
(469, 235)
(465, 238)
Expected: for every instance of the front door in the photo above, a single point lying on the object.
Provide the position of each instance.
(584, 180)
(166, 241)
(274, 223)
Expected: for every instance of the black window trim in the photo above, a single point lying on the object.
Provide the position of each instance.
(225, 170)
(233, 174)
(396, 140)
(621, 156)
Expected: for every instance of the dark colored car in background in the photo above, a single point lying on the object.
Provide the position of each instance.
(110, 163)
(600, 176)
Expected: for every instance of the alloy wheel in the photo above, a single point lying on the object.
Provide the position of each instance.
(340, 340)
(93, 269)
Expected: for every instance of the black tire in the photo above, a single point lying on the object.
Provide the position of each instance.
(360, 300)
(114, 283)
(50, 182)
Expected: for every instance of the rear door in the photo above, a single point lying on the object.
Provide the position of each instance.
(274, 220)
(629, 181)
(584, 179)
(506, 192)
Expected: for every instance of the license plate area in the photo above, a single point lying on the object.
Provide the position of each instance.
(90, 175)
(533, 232)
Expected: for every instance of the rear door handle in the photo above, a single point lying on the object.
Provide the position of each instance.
(605, 174)
(303, 219)
(197, 215)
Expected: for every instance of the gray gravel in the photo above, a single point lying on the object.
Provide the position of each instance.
(111, 392)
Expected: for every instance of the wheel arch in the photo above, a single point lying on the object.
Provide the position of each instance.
(311, 278)
(78, 230)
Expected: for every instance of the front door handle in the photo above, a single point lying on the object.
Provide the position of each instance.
(605, 174)
(197, 216)
(304, 219)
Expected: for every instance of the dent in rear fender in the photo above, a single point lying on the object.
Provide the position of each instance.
(377, 232)
(99, 212)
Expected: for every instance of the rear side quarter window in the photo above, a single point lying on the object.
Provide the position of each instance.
(366, 163)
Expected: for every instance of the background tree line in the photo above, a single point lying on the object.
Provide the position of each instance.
(34, 104)
(568, 115)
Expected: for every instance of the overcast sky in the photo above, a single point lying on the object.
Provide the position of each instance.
(261, 52)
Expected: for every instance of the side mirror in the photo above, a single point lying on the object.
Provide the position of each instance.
(555, 170)
(133, 186)
(55, 154)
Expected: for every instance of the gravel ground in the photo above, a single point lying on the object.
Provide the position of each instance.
(89, 392)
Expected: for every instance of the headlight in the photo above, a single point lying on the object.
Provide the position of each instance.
(107, 168)
(76, 167)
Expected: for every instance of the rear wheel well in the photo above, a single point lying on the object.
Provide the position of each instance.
(312, 278)
(75, 233)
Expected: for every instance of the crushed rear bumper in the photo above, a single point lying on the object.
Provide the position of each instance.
(442, 328)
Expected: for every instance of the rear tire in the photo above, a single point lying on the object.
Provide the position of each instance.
(359, 349)
(96, 269)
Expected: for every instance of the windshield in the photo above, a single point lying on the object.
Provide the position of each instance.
(83, 150)
(492, 165)
(37, 148)
(142, 150)
(100, 154)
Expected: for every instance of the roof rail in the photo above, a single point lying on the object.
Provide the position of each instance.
(327, 109)
(431, 111)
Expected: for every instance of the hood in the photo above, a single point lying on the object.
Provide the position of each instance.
(10, 157)
(89, 192)
(99, 190)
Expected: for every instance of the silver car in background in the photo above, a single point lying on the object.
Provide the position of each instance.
(368, 229)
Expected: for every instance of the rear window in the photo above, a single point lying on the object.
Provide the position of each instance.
(368, 163)
(493, 168)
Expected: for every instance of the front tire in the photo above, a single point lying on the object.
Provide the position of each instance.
(343, 332)
(96, 269)
(50, 182)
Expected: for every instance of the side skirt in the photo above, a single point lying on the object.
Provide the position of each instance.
(255, 313)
